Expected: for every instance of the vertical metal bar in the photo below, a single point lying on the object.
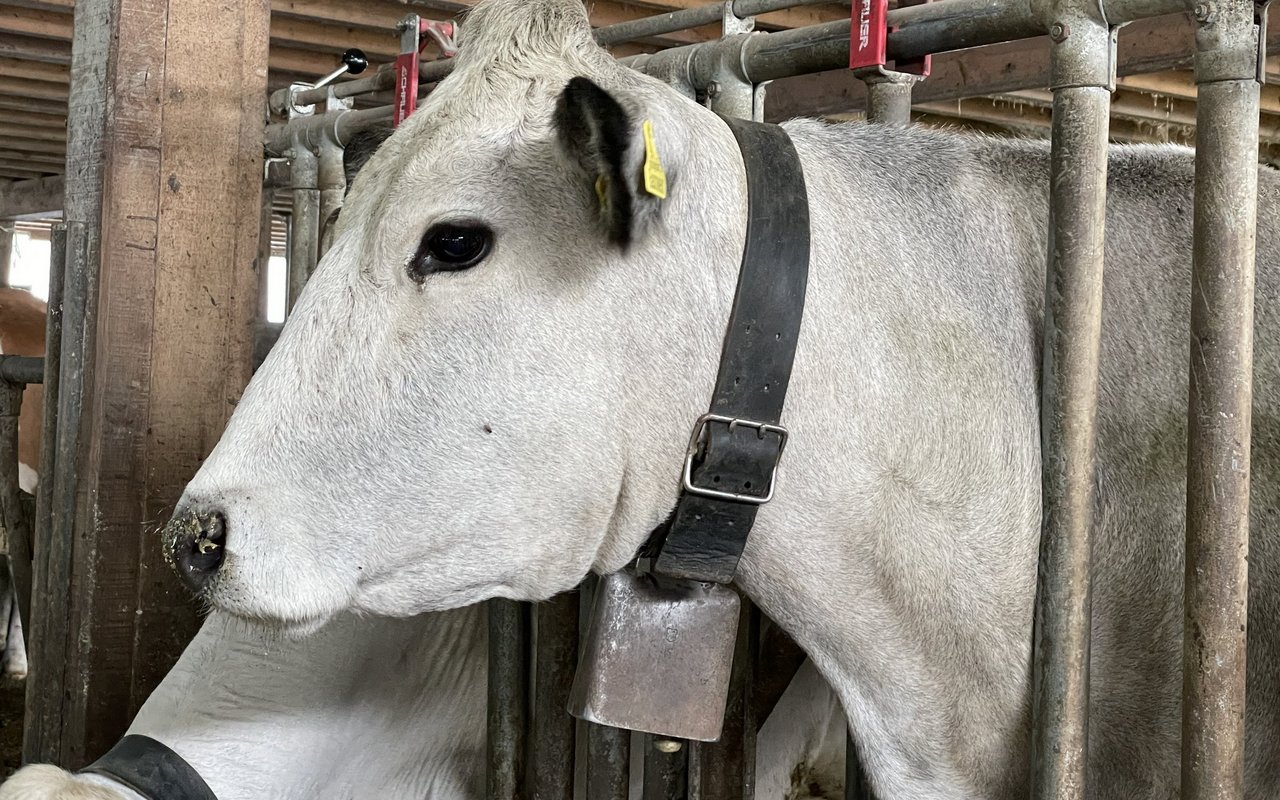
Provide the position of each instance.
(13, 525)
(889, 98)
(666, 768)
(1083, 72)
(509, 633)
(7, 230)
(71, 318)
(304, 229)
(608, 762)
(855, 780)
(1220, 402)
(332, 183)
(1071, 342)
(555, 657)
(264, 253)
(725, 770)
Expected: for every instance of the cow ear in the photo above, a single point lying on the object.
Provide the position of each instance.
(361, 147)
(616, 157)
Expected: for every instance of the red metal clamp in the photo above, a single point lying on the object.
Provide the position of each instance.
(414, 32)
(869, 37)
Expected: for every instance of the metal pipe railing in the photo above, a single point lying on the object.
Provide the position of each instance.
(22, 369)
(555, 653)
(1082, 65)
(304, 222)
(509, 635)
(332, 183)
(1220, 401)
(915, 31)
(647, 27)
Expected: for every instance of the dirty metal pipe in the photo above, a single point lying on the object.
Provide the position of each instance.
(630, 31)
(666, 768)
(43, 518)
(304, 223)
(332, 180)
(552, 746)
(7, 231)
(915, 31)
(59, 480)
(726, 770)
(608, 762)
(1082, 66)
(889, 98)
(1220, 401)
(22, 369)
(509, 634)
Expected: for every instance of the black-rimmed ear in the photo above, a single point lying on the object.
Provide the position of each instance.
(362, 146)
(606, 143)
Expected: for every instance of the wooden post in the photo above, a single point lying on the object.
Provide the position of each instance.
(164, 136)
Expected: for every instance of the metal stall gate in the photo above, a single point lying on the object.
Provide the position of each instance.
(534, 745)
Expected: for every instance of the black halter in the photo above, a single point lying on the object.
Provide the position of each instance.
(734, 449)
(152, 770)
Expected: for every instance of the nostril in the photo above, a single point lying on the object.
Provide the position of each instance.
(197, 543)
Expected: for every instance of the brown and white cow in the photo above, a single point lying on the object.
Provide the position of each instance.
(22, 331)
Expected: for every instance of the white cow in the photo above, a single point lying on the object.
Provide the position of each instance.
(488, 385)
(373, 708)
(380, 708)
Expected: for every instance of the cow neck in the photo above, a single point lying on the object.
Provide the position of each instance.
(734, 449)
(152, 770)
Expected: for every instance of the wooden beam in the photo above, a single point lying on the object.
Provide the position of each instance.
(50, 107)
(1150, 45)
(34, 70)
(36, 166)
(33, 119)
(312, 35)
(37, 90)
(31, 48)
(56, 161)
(16, 174)
(21, 198)
(41, 134)
(162, 223)
(34, 22)
(44, 5)
(21, 144)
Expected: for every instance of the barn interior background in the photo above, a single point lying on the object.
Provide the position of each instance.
(177, 354)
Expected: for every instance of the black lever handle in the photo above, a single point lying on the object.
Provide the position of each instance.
(355, 60)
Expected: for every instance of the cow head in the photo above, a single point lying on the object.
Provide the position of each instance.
(486, 388)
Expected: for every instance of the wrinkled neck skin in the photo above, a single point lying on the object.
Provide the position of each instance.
(364, 708)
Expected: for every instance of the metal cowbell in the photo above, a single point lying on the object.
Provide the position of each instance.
(657, 656)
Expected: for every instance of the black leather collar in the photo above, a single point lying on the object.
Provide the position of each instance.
(152, 770)
(734, 449)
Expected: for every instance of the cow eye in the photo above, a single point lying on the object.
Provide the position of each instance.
(448, 248)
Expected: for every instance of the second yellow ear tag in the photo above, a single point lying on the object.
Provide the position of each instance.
(655, 179)
(602, 192)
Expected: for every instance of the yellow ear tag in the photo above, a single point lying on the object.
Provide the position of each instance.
(602, 191)
(655, 180)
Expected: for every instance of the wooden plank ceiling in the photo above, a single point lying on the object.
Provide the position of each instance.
(308, 35)
(306, 38)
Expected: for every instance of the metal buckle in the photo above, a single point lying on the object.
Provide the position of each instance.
(761, 428)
